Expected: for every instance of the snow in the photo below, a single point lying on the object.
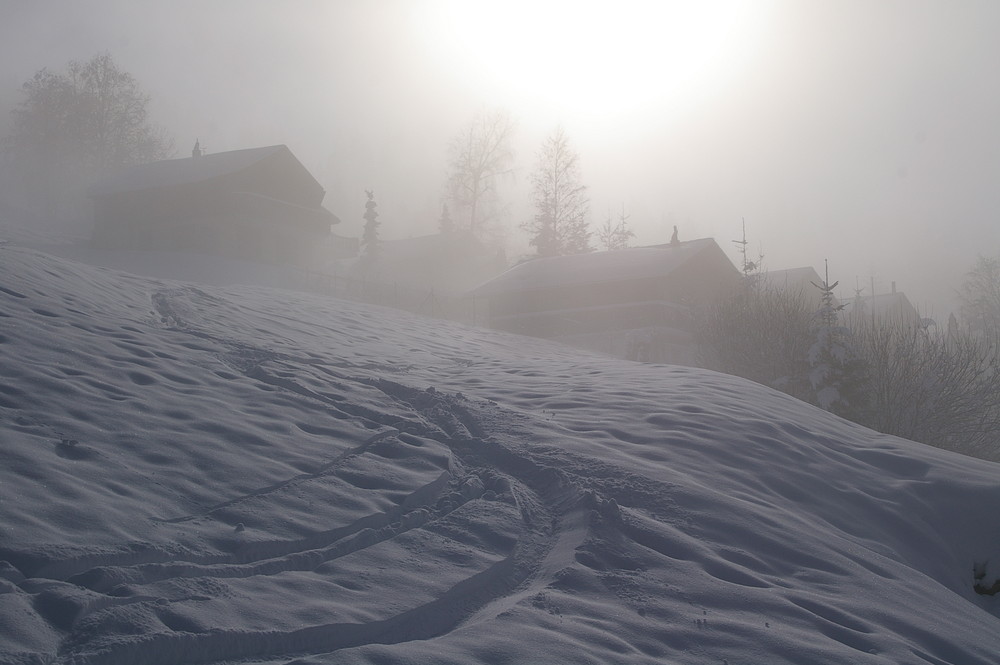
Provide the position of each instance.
(221, 473)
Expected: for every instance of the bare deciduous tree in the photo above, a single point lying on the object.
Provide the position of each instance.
(73, 127)
(561, 204)
(936, 388)
(478, 158)
(979, 296)
(943, 390)
(760, 333)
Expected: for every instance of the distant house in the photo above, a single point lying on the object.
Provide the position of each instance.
(449, 263)
(260, 204)
(885, 308)
(796, 282)
(636, 303)
(431, 274)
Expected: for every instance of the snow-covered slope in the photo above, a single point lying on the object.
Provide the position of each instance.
(204, 475)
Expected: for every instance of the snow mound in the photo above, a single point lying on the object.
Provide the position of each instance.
(198, 474)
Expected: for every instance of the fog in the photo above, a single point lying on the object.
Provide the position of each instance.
(860, 132)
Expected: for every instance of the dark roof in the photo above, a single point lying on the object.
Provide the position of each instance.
(596, 267)
(804, 279)
(895, 303)
(792, 276)
(187, 170)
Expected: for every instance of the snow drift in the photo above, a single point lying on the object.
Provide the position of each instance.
(198, 474)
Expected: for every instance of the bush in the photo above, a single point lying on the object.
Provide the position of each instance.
(940, 389)
(936, 388)
(760, 333)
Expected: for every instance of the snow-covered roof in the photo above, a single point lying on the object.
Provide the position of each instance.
(186, 170)
(597, 267)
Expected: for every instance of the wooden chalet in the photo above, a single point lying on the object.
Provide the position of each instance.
(448, 263)
(893, 309)
(636, 303)
(260, 204)
(795, 282)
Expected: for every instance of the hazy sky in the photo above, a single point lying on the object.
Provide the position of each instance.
(865, 132)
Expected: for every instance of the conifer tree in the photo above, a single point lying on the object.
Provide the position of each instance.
(751, 268)
(445, 224)
(836, 372)
(606, 233)
(560, 224)
(369, 239)
(615, 235)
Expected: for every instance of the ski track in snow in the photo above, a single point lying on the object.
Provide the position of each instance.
(220, 475)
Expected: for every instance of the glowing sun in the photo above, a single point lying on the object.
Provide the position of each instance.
(596, 59)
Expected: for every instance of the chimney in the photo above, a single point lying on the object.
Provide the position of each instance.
(894, 287)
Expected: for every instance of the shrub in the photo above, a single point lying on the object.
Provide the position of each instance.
(895, 377)
(940, 389)
(760, 333)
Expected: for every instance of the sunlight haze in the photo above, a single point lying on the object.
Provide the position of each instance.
(468, 332)
(597, 64)
(859, 132)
